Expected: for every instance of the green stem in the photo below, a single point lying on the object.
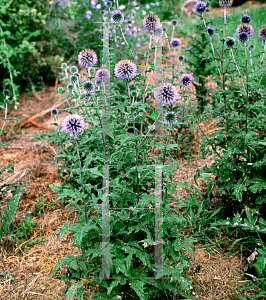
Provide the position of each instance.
(82, 184)
(9, 69)
(134, 128)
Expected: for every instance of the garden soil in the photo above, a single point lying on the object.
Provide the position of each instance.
(25, 268)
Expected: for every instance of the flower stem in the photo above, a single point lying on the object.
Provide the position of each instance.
(10, 73)
(137, 162)
(82, 184)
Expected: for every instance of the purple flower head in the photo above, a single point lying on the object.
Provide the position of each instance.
(200, 7)
(98, 6)
(210, 30)
(150, 21)
(225, 3)
(143, 12)
(175, 42)
(147, 6)
(121, 7)
(230, 42)
(174, 22)
(73, 124)
(245, 19)
(251, 47)
(170, 118)
(248, 29)
(137, 45)
(54, 111)
(243, 37)
(181, 58)
(157, 3)
(87, 58)
(262, 35)
(125, 69)
(102, 75)
(117, 17)
(167, 95)
(185, 79)
(6, 92)
(88, 87)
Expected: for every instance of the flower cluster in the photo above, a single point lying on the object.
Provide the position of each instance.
(200, 7)
(185, 79)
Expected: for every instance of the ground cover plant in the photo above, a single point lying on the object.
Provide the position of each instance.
(239, 172)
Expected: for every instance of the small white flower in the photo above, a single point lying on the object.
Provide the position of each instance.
(147, 6)
(143, 12)
(121, 7)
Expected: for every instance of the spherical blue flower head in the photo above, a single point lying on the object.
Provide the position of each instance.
(262, 34)
(167, 95)
(150, 21)
(54, 111)
(77, 74)
(73, 79)
(251, 47)
(6, 92)
(88, 87)
(243, 37)
(175, 42)
(73, 124)
(225, 3)
(185, 79)
(125, 69)
(245, 28)
(170, 118)
(108, 4)
(230, 42)
(210, 30)
(102, 75)
(87, 58)
(73, 69)
(200, 7)
(181, 58)
(117, 17)
(245, 18)
(70, 87)
(174, 22)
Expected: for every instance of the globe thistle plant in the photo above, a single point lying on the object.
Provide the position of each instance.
(248, 29)
(73, 125)
(88, 87)
(98, 83)
(243, 37)
(175, 42)
(225, 3)
(167, 94)
(170, 118)
(150, 21)
(108, 4)
(209, 30)
(102, 75)
(54, 111)
(117, 17)
(200, 7)
(86, 98)
(174, 22)
(70, 87)
(185, 79)
(63, 65)
(73, 79)
(77, 74)
(87, 58)
(245, 19)
(230, 42)
(125, 69)
(6, 92)
(181, 58)
(251, 47)
(73, 69)
(262, 34)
